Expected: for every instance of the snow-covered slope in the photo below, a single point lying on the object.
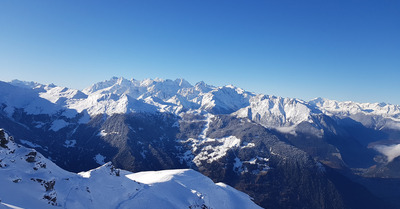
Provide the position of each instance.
(29, 180)
(181, 186)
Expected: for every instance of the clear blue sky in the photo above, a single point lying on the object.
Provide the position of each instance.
(337, 49)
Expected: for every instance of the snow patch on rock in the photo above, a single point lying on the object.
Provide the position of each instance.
(30, 144)
(69, 143)
(211, 153)
(58, 124)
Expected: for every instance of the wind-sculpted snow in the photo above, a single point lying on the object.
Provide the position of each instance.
(29, 180)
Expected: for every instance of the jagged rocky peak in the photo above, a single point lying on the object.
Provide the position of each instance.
(114, 81)
(121, 82)
(183, 83)
(203, 87)
(273, 112)
(225, 100)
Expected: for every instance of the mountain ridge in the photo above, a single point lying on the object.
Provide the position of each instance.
(121, 86)
(119, 95)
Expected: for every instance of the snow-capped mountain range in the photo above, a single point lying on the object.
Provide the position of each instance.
(119, 95)
(178, 97)
(29, 180)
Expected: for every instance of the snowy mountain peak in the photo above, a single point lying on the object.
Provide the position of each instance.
(183, 83)
(25, 84)
(203, 87)
(275, 112)
(318, 100)
(225, 100)
(101, 85)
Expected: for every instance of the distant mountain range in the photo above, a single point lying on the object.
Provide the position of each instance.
(284, 153)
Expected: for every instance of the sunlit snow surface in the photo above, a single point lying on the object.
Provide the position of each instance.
(28, 180)
(187, 183)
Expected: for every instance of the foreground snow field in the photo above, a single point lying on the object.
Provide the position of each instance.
(29, 180)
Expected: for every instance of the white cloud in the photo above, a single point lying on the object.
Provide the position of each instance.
(391, 151)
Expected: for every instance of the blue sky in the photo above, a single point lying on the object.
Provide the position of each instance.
(343, 50)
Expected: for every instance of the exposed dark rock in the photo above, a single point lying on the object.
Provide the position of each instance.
(31, 157)
(2, 134)
(40, 165)
(51, 198)
(49, 185)
(114, 171)
(17, 180)
(3, 140)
